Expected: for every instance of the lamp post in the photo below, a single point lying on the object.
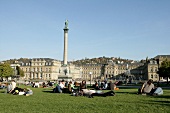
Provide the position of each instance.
(90, 77)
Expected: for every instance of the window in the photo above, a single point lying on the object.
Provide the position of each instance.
(155, 76)
(151, 76)
(151, 70)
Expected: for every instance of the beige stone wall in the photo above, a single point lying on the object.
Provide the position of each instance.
(95, 70)
(47, 70)
(152, 72)
(41, 69)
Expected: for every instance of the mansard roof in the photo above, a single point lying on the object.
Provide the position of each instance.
(36, 60)
(162, 56)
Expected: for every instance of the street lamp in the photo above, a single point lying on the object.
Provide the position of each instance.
(90, 77)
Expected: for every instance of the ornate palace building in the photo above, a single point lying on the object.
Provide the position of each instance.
(46, 69)
(51, 69)
(115, 70)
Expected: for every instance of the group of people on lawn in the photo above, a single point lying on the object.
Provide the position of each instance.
(12, 89)
(79, 88)
(147, 88)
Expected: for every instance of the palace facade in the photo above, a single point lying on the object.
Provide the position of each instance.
(50, 69)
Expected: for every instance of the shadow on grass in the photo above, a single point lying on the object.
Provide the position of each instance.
(162, 96)
(126, 93)
(168, 102)
(124, 87)
(47, 91)
(2, 91)
(163, 103)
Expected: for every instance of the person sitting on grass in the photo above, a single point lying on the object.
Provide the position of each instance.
(113, 86)
(37, 85)
(96, 86)
(70, 87)
(147, 87)
(13, 86)
(9, 87)
(105, 85)
(83, 85)
(60, 87)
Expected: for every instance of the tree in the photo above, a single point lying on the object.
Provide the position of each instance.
(1, 69)
(20, 71)
(164, 70)
(5, 70)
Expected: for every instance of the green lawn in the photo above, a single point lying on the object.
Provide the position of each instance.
(125, 101)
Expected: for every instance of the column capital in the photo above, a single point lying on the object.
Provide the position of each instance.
(65, 29)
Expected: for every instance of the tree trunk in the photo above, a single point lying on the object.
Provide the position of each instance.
(1, 79)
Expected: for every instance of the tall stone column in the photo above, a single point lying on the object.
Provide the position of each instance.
(65, 43)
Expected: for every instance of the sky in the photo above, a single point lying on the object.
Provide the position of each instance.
(129, 29)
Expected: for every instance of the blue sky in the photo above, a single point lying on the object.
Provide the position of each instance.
(131, 29)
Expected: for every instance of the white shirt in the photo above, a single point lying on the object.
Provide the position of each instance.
(13, 85)
(37, 84)
(61, 85)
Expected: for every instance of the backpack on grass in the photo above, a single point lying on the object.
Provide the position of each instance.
(158, 91)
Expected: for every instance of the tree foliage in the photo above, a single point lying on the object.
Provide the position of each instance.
(164, 70)
(20, 71)
(6, 70)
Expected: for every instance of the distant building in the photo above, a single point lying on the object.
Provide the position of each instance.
(150, 69)
(91, 70)
(46, 69)
(50, 69)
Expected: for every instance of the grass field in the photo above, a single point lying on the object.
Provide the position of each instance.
(43, 100)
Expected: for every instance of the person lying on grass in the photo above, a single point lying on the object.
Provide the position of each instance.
(28, 92)
(90, 93)
(21, 91)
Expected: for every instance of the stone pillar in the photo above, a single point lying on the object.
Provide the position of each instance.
(65, 43)
(31, 75)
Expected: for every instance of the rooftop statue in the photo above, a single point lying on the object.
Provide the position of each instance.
(66, 24)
